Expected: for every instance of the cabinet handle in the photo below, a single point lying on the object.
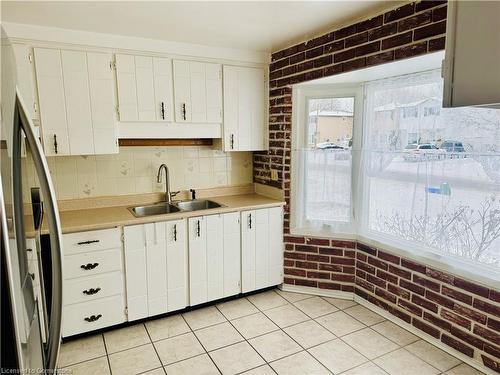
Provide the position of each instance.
(175, 232)
(163, 110)
(232, 141)
(87, 242)
(250, 221)
(55, 143)
(91, 291)
(93, 318)
(184, 111)
(89, 266)
(198, 228)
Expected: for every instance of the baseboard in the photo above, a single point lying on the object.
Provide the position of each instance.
(422, 335)
(316, 291)
(353, 297)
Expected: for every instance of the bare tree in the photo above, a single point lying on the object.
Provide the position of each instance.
(465, 231)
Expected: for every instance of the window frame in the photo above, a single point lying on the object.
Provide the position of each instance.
(481, 273)
(300, 116)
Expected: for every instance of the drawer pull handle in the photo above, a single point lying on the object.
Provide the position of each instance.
(89, 266)
(93, 318)
(175, 232)
(91, 291)
(87, 242)
(250, 221)
(198, 229)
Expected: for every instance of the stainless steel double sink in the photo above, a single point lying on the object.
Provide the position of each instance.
(163, 208)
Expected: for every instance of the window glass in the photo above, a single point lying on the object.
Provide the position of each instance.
(432, 174)
(328, 160)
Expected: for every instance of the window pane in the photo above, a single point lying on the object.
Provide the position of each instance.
(328, 160)
(433, 173)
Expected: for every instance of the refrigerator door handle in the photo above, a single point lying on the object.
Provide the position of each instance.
(54, 223)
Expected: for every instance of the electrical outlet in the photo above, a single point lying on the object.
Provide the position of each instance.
(274, 175)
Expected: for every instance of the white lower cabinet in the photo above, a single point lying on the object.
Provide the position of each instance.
(155, 268)
(94, 293)
(261, 248)
(167, 266)
(214, 257)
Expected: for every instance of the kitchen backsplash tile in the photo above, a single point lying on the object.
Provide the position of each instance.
(134, 169)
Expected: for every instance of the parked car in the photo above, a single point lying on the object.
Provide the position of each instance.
(329, 146)
(419, 152)
(341, 153)
(453, 149)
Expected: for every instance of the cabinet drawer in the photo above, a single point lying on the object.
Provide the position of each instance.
(91, 241)
(93, 263)
(92, 288)
(106, 311)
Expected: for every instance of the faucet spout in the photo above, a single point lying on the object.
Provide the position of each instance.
(168, 195)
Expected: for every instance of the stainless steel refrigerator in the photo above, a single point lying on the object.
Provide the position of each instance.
(31, 317)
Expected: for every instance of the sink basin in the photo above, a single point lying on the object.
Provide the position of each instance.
(197, 204)
(154, 209)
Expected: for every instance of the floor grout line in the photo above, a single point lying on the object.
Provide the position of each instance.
(154, 347)
(278, 328)
(247, 343)
(107, 355)
(206, 351)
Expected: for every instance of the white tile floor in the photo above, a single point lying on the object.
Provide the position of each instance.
(272, 332)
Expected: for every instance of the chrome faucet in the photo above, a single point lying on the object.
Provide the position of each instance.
(168, 194)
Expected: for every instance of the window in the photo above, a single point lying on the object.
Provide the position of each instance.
(424, 178)
(325, 152)
(441, 193)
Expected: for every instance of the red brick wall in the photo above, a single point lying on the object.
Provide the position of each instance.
(461, 314)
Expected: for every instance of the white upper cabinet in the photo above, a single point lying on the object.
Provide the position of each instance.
(144, 88)
(26, 77)
(52, 102)
(245, 108)
(471, 69)
(197, 92)
(75, 92)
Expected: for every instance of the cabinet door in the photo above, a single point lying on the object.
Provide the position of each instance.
(197, 261)
(156, 261)
(136, 271)
(248, 244)
(177, 272)
(162, 69)
(261, 248)
(213, 86)
(26, 77)
(231, 108)
(52, 103)
(78, 112)
(258, 105)
(127, 90)
(471, 68)
(102, 103)
(182, 91)
(215, 256)
(198, 91)
(275, 245)
(145, 88)
(232, 254)
(244, 108)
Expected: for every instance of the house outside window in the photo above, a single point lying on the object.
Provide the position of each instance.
(417, 176)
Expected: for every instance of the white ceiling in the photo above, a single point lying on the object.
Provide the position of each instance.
(252, 25)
